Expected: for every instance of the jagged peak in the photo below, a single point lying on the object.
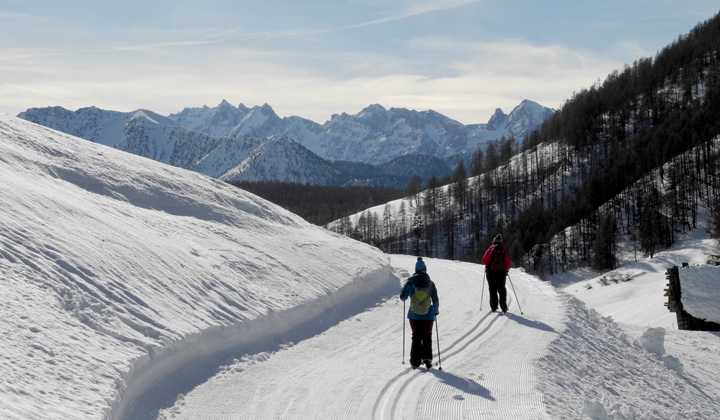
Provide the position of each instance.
(142, 115)
(498, 119)
(530, 110)
(527, 104)
(267, 110)
(334, 117)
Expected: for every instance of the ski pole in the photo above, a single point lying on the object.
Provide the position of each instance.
(516, 298)
(482, 291)
(437, 336)
(403, 321)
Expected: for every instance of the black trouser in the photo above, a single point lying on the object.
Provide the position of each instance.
(496, 285)
(421, 347)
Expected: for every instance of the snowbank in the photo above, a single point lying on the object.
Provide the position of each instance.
(118, 269)
(156, 382)
(597, 367)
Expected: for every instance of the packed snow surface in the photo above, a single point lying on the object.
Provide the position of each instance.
(135, 290)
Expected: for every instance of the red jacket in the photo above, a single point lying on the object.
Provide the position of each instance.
(486, 258)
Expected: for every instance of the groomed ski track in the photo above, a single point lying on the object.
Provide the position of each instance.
(355, 369)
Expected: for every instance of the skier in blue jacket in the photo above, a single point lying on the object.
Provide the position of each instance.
(424, 307)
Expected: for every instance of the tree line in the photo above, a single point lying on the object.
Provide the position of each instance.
(319, 204)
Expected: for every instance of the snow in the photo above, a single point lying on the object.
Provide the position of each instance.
(634, 293)
(136, 290)
(598, 369)
(700, 289)
(118, 268)
(359, 372)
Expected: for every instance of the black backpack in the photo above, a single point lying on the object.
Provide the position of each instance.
(497, 258)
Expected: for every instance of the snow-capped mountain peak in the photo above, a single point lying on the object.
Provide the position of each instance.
(142, 114)
(526, 114)
(498, 120)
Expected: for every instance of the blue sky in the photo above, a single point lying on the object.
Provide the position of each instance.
(314, 58)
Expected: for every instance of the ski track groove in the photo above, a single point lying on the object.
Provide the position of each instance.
(347, 404)
(384, 395)
(434, 400)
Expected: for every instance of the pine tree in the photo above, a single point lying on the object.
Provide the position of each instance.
(476, 162)
(413, 188)
(715, 233)
(654, 228)
(460, 189)
(605, 242)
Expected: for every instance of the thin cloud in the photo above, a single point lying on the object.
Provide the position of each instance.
(161, 45)
(433, 6)
(412, 11)
(20, 16)
(39, 92)
(25, 55)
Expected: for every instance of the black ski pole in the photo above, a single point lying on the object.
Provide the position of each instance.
(482, 292)
(516, 298)
(437, 336)
(403, 321)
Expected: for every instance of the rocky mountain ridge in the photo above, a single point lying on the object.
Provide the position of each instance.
(374, 147)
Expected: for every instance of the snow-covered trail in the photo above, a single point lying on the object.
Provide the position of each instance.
(355, 369)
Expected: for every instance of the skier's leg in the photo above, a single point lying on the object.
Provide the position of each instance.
(493, 289)
(423, 329)
(415, 349)
(427, 342)
(502, 291)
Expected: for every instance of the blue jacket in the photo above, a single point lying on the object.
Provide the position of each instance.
(421, 280)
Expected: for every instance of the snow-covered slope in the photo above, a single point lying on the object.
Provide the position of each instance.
(142, 133)
(245, 158)
(136, 290)
(94, 124)
(118, 269)
(617, 293)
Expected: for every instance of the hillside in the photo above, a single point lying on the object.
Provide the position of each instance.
(633, 158)
(118, 270)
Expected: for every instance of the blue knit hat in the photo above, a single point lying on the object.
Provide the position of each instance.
(420, 265)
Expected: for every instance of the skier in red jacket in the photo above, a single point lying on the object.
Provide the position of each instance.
(497, 264)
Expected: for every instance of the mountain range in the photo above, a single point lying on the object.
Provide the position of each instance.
(377, 146)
